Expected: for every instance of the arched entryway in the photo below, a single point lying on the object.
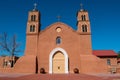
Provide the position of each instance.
(58, 61)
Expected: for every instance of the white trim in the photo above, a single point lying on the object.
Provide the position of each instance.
(50, 59)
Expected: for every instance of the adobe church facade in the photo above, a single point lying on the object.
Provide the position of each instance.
(60, 50)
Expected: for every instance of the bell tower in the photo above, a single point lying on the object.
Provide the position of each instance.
(83, 24)
(33, 24)
(32, 31)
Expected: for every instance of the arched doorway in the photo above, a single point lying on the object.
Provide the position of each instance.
(58, 61)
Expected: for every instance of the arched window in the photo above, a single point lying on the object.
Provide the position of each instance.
(108, 62)
(34, 18)
(83, 17)
(58, 40)
(32, 28)
(84, 28)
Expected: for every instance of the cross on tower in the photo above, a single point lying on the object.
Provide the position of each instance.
(58, 17)
(35, 6)
(81, 6)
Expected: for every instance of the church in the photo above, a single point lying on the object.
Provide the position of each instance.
(61, 50)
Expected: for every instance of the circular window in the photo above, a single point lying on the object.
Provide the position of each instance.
(58, 29)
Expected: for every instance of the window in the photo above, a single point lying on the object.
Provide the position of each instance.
(84, 28)
(83, 17)
(33, 17)
(58, 40)
(58, 29)
(108, 62)
(5, 63)
(32, 28)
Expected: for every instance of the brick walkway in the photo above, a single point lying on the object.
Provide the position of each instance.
(57, 77)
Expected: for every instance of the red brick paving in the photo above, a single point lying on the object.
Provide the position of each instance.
(60, 77)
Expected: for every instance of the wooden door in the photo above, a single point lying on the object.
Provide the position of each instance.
(58, 63)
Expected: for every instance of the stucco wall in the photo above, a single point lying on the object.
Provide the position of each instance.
(26, 64)
(71, 42)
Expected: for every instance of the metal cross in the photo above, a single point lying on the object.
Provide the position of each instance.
(35, 6)
(81, 6)
(58, 17)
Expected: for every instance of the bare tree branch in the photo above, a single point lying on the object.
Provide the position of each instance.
(3, 43)
(9, 46)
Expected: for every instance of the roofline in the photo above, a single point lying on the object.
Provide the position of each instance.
(114, 55)
(57, 23)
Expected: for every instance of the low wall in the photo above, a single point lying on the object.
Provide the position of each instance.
(25, 64)
(6, 70)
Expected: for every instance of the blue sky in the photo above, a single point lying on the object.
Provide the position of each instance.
(104, 17)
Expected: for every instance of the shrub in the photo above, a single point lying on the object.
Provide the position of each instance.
(76, 70)
(42, 70)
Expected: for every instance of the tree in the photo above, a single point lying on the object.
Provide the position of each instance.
(118, 54)
(10, 46)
